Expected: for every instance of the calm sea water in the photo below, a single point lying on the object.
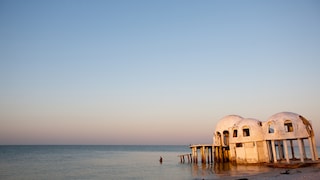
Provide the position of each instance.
(108, 162)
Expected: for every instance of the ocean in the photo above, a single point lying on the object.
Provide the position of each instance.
(109, 162)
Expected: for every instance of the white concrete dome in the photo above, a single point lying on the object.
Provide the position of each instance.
(223, 126)
(248, 129)
(226, 122)
(287, 125)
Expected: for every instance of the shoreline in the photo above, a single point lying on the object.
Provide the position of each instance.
(310, 172)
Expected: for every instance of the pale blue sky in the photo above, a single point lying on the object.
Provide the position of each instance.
(149, 72)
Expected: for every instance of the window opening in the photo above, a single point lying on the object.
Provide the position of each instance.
(235, 133)
(218, 133)
(288, 126)
(246, 132)
(271, 128)
(226, 138)
(238, 144)
(218, 138)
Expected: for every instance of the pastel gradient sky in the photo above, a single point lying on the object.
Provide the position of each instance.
(152, 72)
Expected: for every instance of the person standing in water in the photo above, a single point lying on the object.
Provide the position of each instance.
(160, 160)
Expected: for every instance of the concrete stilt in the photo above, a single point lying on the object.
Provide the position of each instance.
(315, 148)
(301, 150)
(292, 150)
(286, 151)
(311, 149)
(274, 153)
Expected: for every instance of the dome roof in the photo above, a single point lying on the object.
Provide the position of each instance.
(287, 125)
(255, 130)
(223, 125)
(249, 122)
(227, 121)
(282, 116)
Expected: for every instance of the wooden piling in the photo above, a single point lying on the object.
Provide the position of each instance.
(203, 158)
(211, 150)
(206, 153)
(184, 156)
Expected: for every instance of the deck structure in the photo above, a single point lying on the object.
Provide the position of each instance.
(206, 153)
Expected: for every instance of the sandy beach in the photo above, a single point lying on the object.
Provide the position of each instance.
(312, 172)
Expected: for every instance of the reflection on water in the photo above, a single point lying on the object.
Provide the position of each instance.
(224, 170)
(218, 170)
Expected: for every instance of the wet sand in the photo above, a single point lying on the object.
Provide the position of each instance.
(305, 173)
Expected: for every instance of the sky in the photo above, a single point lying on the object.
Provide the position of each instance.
(153, 72)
